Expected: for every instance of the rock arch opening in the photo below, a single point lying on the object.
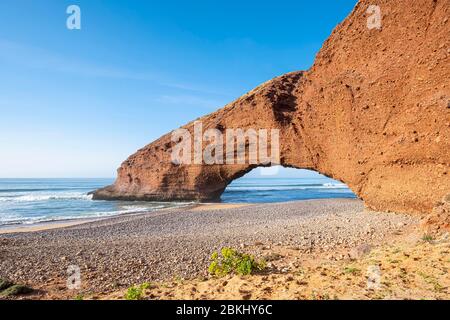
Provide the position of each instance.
(279, 184)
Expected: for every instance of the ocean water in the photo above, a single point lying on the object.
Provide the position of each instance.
(29, 201)
(266, 190)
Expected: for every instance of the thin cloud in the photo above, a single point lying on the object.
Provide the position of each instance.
(37, 58)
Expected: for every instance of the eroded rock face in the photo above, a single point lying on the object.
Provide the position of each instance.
(439, 219)
(373, 112)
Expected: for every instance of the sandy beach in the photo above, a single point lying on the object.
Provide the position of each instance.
(176, 244)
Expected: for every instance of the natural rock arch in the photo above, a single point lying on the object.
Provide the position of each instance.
(372, 112)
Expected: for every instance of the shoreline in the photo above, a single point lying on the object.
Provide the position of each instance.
(43, 226)
(58, 224)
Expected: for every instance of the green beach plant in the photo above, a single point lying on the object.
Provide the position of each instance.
(427, 238)
(137, 292)
(5, 284)
(134, 293)
(230, 261)
(352, 270)
(15, 290)
(79, 297)
(146, 285)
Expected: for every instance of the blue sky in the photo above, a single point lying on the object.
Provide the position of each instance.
(76, 103)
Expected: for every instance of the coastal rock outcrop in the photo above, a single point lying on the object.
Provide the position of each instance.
(373, 112)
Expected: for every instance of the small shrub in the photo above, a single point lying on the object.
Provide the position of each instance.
(230, 261)
(146, 285)
(133, 293)
(5, 284)
(16, 290)
(433, 281)
(427, 238)
(393, 261)
(79, 297)
(351, 270)
(178, 279)
(137, 292)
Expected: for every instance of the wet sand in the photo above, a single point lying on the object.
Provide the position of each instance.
(43, 226)
(69, 223)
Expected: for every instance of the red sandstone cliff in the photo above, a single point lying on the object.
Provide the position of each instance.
(373, 112)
